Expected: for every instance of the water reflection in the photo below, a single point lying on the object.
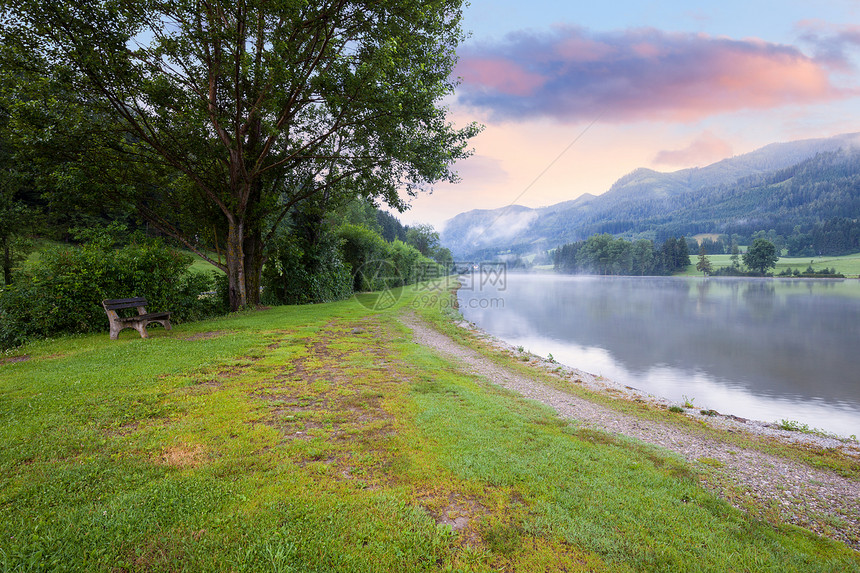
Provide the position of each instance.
(765, 349)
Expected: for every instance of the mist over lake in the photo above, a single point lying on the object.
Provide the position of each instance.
(766, 349)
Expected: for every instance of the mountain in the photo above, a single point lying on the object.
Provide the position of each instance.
(782, 184)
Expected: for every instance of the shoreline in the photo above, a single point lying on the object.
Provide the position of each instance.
(616, 390)
(805, 433)
(778, 476)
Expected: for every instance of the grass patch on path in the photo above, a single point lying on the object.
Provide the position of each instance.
(321, 438)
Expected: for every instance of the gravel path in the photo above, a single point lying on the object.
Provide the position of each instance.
(792, 492)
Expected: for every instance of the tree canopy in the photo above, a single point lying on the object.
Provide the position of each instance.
(607, 255)
(424, 238)
(218, 117)
(761, 256)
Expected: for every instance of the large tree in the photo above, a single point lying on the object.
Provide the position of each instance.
(235, 111)
(761, 256)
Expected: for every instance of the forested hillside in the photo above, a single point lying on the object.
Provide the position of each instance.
(807, 193)
(815, 191)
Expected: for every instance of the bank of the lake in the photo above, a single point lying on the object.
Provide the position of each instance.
(323, 438)
(848, 265)
(755, 465)
(768, 349)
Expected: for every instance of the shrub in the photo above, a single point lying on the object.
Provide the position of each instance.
(62, 293)
(732, 272)
(377, 265)
(406, 258)
(364, 251)
(299, 271)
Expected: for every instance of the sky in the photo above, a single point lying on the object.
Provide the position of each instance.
(574, 95)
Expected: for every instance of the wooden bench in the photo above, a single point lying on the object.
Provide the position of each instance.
(138, 321)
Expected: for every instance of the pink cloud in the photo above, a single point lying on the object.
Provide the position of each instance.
(706, 149)
(646, 50)
(644, 74)
(737, 77)
(499, 75)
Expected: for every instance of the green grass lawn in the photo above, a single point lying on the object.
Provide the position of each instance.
(321, 438)
(198, 265)
(848, 265)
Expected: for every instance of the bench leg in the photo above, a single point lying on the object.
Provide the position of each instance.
(141, 328)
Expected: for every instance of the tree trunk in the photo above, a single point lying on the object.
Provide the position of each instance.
(236, 264)
(253, 251)
(244, 264)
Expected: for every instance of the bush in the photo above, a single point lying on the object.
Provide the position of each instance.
(308, 263)
(301, 272)
(62, 293)
(364, 251)
(811, 273)
(732, 272)
(377, 265)
(407, 260)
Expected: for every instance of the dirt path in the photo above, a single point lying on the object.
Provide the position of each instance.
(792, 492)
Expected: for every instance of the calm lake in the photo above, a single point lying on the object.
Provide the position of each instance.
(766, 349)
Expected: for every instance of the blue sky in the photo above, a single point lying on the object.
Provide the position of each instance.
(769, 20)
(576, 94)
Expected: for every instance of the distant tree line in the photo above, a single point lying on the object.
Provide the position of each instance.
(604, 254)
(833, 237)
(837, 236)
(825, 273)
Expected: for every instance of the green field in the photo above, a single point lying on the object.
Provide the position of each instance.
(202, 266)
(321, 438)
(198, 265)
(848, 265)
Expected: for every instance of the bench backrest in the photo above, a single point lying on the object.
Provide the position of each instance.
(120, 303)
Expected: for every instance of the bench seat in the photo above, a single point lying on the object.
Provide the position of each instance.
(138, 322)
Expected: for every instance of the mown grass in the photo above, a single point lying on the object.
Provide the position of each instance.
(830, 459)
(848, 265)
(199, 265)
(321, 438)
